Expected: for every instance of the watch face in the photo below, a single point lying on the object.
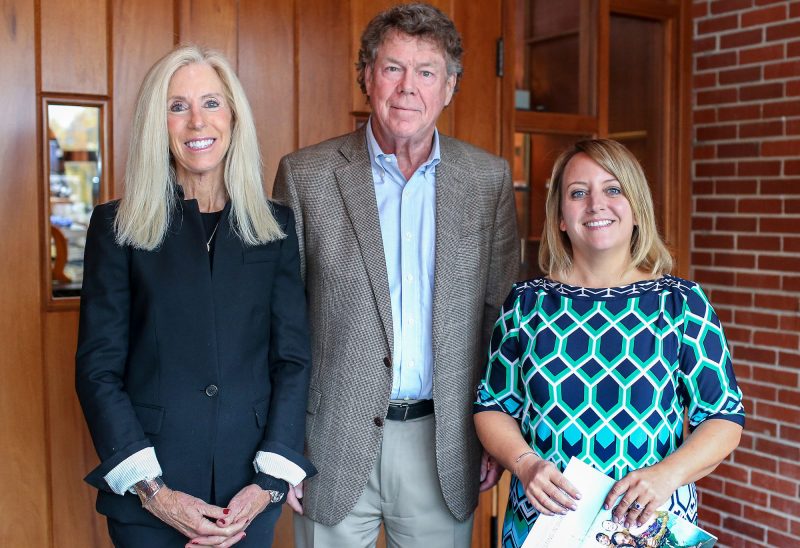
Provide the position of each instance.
(275, 496)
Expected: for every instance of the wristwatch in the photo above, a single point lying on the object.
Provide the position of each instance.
(147, 489)
(275, 496)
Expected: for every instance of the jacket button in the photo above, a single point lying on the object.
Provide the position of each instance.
(211, 390)
(378, 421)
(387, 361)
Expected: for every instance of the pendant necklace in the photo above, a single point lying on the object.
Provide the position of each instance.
(208, 243)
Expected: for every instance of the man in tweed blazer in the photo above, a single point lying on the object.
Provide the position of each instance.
(408, 247)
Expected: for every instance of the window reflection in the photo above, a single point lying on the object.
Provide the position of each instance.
(74, 170)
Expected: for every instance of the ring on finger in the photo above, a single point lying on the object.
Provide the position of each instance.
(637, 506)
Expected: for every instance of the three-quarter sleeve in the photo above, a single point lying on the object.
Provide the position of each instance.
(500, 389)
(705, 364)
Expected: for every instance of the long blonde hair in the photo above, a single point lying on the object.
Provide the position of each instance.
(648, 251)
(150, 196)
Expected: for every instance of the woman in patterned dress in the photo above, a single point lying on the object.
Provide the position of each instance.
(603, 358)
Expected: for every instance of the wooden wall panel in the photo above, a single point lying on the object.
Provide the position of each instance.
(266, 61)
(324, 70)
(476, 106)
(210, 23)
(362, 12)
(132, 59)
(72, 455)
(23, 452)
(74, 46)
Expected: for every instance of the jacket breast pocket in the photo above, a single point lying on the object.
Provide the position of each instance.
(261, 254)
(150, 417)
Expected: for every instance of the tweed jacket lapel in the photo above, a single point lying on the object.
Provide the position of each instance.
(451, 193)
(357, 188)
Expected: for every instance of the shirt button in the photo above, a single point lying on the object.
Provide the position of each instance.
(409, 278)
(387, 361)
(211, 390)
(411, 321)
(411, 364)
(378, 421)
(409, 235)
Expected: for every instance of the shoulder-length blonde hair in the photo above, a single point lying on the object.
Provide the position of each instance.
(150, 195)
(648, 252)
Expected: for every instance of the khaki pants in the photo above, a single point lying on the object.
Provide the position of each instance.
(402, 492)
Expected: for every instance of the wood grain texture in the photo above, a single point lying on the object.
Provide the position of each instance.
(23, 452)
(266, 70)
(477, 105)
(72, 455)
(133, 57)
(211, 23)
(74, 47)
(324, 70)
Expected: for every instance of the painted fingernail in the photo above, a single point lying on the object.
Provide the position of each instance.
(226, 511)
(244, 534)
(222, 521)
(605, 507)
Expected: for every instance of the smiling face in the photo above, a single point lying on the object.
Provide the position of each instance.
(408, 87)
(198, 122)
(595, 214)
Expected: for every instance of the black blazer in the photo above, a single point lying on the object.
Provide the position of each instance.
(207, 368)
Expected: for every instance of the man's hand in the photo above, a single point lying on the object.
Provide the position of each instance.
(191, 516)
(490, 471)
(294, 498)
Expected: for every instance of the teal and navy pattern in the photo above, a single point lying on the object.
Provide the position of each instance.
(604, 375)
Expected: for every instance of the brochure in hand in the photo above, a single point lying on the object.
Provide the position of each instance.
(590, 526)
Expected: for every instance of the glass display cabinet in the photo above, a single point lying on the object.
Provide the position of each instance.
(599, 68)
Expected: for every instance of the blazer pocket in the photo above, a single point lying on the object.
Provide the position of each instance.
(314, 398)
(261, 255)
(150, 417)
(261, 408)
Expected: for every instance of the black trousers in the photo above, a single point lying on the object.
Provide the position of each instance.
(133, 535)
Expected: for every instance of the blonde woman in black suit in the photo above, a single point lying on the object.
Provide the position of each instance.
(193, 360)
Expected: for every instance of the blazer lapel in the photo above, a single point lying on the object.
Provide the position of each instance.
(451, 194)
(358, 193)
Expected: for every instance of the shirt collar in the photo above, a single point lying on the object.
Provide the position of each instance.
(378, 158)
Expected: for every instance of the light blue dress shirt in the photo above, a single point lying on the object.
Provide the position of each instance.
(407, 211)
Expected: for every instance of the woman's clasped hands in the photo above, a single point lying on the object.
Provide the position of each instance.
(206, 524)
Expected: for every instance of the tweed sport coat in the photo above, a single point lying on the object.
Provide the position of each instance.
(330, 188)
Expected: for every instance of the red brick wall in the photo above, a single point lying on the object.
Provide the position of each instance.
(746, 252)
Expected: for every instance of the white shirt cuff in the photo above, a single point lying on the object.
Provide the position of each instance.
(142, 464)
(279, 467)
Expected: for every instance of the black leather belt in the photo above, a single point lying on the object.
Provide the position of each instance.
(409, 411)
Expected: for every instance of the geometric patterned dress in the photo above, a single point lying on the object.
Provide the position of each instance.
(605, 375)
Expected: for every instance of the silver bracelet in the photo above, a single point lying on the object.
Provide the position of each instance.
(147, 489)
(523, 454)
(516, 461)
